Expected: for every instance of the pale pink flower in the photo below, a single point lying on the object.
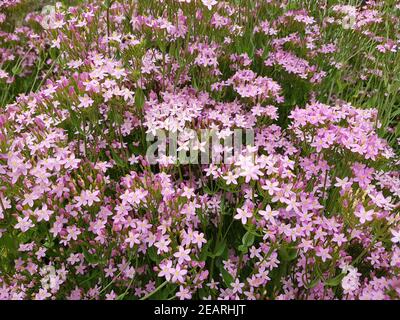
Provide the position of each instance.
(24, 224)
(364, 215)
(209, 3)
(243, 215)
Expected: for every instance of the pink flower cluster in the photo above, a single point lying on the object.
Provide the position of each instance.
(309, 211)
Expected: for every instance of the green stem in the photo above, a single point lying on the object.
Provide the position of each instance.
(155, 291)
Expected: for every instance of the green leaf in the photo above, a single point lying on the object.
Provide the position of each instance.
(16, 70)
(53, 53)
(248, 239)
(333, 282)
(9, 242)
(118, 160)
(287, 254)
(49, 244)
(153, 254)
(115, 116)
(226, 276)
(219, 250)
(204, 252)
(313, 283)
(139, 98)
(91, 258)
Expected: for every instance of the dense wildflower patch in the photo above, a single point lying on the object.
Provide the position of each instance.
(307, 209)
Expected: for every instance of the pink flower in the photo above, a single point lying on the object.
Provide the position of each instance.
(198, 238)
(339, 238)
(72, 233)
(43, 294)
(85, 101)
(109, 271)
(271, 187)
(132, 239)
(183, 293)
(269, 214)
(43, 214)
(29, 198)
(323, 253)
(111, 296)
(396, 235)
(178, 274)
(243, 215)
(87, 197)
(230, 177)
(363, 215)
(41, 253)
(344, 183)
(166, 270)
(3, 74)
(162, 245)
(182, 255)
(237, 286)
(24, 224)
(209, 3)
